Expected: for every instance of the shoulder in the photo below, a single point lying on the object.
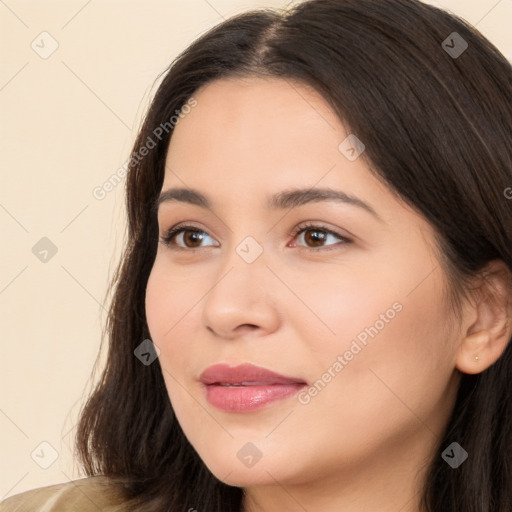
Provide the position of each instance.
(92, 494)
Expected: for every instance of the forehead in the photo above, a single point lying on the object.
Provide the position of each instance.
(266, 128)
(266, 94)
(255, 111)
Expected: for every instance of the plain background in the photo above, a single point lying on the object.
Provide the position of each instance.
(68, 123)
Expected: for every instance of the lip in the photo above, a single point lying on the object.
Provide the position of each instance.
(224, 374)
(246, 387)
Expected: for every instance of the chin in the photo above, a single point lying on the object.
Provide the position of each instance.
(239, 477)
(240, 471)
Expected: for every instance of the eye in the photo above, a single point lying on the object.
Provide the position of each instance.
(195, 235)
(189, 236)
(320, 235)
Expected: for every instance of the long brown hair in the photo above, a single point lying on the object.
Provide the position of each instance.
(437, 127)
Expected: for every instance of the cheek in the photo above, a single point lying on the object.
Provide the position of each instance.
(173, 310)
(165, 303)
(397, 355)
(168, 314)
(345, 307)
(156, 305)
(382, 317)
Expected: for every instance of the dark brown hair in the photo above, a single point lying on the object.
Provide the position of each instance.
(438, 132)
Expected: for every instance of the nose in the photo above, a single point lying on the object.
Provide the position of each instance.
(241, 301)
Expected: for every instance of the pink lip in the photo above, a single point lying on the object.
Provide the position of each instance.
(246, 387)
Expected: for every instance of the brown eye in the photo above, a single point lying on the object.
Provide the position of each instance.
(315, 237)
(191, 238)
(188, 237)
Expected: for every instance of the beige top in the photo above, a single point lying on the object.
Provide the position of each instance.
(92, 494)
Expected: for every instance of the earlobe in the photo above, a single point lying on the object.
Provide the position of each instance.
(488, 336)
(474, 355)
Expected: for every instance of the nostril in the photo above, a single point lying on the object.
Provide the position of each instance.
(247, 327)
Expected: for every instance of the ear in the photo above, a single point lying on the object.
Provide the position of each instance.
(490, 331)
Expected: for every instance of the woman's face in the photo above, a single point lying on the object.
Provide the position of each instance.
(361, 322)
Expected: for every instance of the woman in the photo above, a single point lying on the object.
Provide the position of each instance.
(342, 339)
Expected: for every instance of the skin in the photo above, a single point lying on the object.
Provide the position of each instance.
(362, 443)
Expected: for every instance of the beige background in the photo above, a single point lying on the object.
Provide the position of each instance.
(68, 123)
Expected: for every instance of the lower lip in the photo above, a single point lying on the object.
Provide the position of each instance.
(248, 398)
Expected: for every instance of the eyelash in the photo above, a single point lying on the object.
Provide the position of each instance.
(172, 232)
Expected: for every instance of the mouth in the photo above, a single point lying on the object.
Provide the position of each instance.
(244, 375)
(248, 397)
(246, 387)
(242, 384)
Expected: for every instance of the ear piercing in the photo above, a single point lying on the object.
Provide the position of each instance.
(476, 358)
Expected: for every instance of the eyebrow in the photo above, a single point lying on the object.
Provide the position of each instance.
(287, 199)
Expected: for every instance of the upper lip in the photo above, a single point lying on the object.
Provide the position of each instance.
(244, 374)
